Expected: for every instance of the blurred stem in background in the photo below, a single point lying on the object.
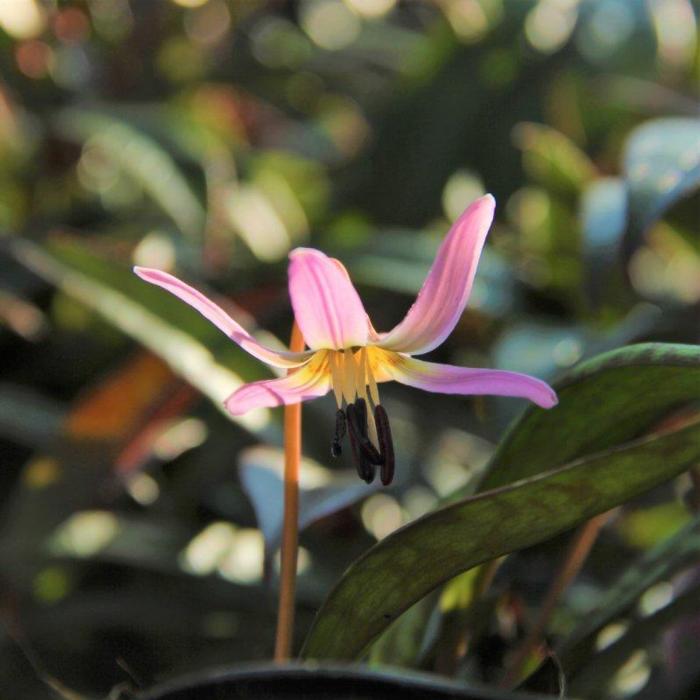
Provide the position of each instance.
(569, 568)
(290, 532)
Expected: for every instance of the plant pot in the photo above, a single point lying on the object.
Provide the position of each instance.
(274, 682)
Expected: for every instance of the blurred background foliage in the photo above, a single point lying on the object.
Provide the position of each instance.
(208, 137)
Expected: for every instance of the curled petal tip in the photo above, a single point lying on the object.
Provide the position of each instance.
(550, 400)
(449, 379)
(302, 251)
(444, 293)
(154, 276)
(484, 206)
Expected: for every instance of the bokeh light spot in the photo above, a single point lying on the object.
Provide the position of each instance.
(633, 676)
(381, 515)
(85, 534)
(41, 473)
(243, 563)
(51, 584)
(143, 488)
(549, 24)
(330, 24)
(372, 9)
(22, 19)
(34, 58)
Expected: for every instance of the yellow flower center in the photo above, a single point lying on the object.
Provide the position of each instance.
(352, 375)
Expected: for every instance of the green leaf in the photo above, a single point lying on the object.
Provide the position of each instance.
(661, 165)
(607, 400)
(414, 560)
(403, 641)
(552, 159)
(191, 345)
(140, 157)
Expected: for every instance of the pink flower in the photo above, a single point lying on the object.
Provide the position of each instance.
(347, 355)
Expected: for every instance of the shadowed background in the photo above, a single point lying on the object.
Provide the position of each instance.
(208, 138)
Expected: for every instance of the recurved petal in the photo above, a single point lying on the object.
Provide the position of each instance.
(326, 305)
(214, 313)
(448, 379)
(444, 293)
(307, 382)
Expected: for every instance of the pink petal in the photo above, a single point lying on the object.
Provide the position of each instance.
(326, 305)
(448, 379)
(214, 313)
(303, 384)
(446, 289)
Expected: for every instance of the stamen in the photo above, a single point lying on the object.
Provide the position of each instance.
(386, 445)
(365, 469)
(336, 377)
(369, 376)
(361, 373)
(337, 443)
(349, 386)
(358, 422)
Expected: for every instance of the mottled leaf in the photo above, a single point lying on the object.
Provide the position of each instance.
(412, 561)
(602, 402)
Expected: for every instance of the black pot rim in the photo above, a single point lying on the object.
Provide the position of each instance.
(392, 678)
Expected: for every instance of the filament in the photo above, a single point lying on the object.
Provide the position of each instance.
(355, 387)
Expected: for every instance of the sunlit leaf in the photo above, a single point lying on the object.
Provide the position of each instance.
(552, 159)
(141, 158)
(167, 327)
(412, 561)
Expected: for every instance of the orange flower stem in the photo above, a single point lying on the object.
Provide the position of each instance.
(290, 527)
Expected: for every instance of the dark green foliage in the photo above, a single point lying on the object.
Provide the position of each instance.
(139, 522)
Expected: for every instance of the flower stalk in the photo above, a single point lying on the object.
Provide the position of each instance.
(290, 527)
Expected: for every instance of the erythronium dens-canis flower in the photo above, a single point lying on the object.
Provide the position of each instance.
(348, 356)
